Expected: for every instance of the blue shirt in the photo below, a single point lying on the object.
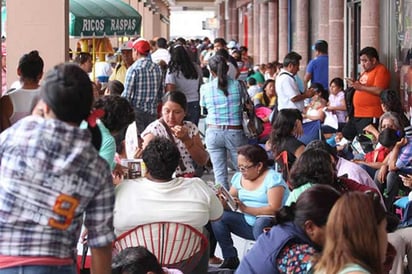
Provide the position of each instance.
(319, 68)
(221, 109)
(143, 85)
(259, 197)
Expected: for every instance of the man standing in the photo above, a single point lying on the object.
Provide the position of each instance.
(287, 89)
(143, 85)
(318, 68)
(161, 52)
(366, 99)
(119, 73)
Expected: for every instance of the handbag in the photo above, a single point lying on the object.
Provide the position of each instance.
(252, 125)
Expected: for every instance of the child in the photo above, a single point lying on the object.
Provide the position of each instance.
(337, 101)
(253, 87)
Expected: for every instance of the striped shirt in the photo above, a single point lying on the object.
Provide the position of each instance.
(50, 175)
(222, 110)
(143, 85)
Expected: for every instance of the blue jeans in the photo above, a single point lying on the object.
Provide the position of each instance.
(234, 222)
(40, 269)
(218, 143)
(193, 112)
(143, 119)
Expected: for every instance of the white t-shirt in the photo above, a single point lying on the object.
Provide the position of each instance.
(22, 100)
(286, 89)
(161, 54)
(184, 200)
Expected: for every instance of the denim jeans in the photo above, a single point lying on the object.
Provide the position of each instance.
(218, 143)
(234, 222)
(193, 112)
(143, 119)
(393, 184)
(40, 269)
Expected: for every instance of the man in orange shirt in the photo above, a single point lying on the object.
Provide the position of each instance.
(366, 99)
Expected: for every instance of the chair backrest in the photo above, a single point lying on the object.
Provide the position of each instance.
(175, 245)
(311, 131)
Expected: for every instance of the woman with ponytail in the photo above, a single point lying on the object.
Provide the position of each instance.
(222, 99)
(51, 177)
(298, 235)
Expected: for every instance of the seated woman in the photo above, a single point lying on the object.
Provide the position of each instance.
(183, 200)
(171, 125)
(337, 103)
(315, 166)
(298, 235)
(266, 98)
(285, 130)
(363, 249)
(257, 190)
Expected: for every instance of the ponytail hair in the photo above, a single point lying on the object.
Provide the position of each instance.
(68, 91)
(218, 65)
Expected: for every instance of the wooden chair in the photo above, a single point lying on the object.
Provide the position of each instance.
(175, 245)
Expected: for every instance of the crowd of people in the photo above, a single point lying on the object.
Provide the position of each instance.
(321, 206)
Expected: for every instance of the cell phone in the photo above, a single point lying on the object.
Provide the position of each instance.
(228, 198)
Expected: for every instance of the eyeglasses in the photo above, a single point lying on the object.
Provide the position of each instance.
(245, 168)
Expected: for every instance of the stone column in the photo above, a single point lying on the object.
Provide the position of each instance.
(31, 30)
(233, 22)
(264, 30)
(222, 20)
(256, 33)
(273, 31)
(302, 33)
(324, 20)
(336, 38)
(283, 29)
(370, 24)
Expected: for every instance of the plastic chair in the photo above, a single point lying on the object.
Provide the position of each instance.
(311, 131)
(175, 245)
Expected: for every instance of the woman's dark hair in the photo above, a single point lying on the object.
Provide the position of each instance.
(31, 66)
(388, 137)
(218, 64)
(283, 126)
(313, 166)
(254, 153)
(116, 87)
(136, 260)
(68, 91)
(318, 87)
(82, 58)
(161, 157)
(180, 62)
(118, 112)
(313, 204)
(177, 97)
(265, 97)
(391, 100)
(337, 81)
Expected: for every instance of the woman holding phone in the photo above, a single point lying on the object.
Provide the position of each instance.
(258, 192)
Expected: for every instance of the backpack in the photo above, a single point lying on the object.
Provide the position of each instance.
(252, 125)
(349, 92)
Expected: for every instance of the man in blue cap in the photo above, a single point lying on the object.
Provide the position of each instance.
(318, 69)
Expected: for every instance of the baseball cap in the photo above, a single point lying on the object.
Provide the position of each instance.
(142, 46)
(126, 46)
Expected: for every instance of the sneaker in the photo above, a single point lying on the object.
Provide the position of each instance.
(231, 263)
(215, 260)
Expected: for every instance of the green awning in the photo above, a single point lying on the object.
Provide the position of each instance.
(103, 18)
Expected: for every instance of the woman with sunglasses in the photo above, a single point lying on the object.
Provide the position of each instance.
(258, 192)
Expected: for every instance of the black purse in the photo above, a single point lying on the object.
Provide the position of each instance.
(83, 269)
